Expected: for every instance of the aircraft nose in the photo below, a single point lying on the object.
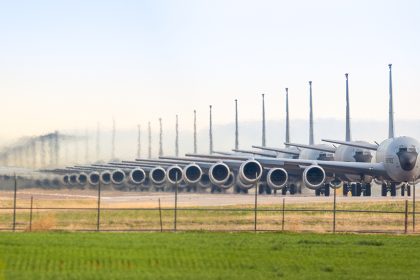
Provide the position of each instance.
(407, 159)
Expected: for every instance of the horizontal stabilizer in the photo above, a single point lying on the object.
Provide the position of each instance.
(353, 144)
(255, 153)
(312, 147)
(279, 150)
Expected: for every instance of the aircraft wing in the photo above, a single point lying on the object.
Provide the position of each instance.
(255, 153)
(312, 147)
(352, 144)
(335, 167)
(279, 150)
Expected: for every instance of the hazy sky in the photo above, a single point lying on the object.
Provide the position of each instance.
(70, 64)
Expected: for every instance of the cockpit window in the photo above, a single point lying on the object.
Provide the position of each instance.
(407, 157)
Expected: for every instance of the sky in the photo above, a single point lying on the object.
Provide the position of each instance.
(68, 65)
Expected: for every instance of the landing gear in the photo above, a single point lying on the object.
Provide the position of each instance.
(264, 188)
(392, 188)
(367, 190)
(292, 189)
(406, 188)
(346, 189)
(324, 190)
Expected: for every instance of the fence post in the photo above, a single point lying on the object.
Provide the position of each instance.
(406, 217)
(30, 213)
(160, 217)
(98, 221)
(282, 219)
(414, 206)
(335, 208)
(176, 200)
(14, 202)
(255, 204)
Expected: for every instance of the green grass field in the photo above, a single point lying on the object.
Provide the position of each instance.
(199, 255)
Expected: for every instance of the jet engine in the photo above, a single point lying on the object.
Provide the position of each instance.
(174, 174)
(314, 177)
(106, 177)
(157, 175)
(230, 182)
(82, 179)
(192, 173)
(137, 176)
(277, 178)
(250, 171)
(117, 177)
(94, 178)
(204, 181)
(219, 173)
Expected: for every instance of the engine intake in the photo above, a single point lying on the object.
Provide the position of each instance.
(82, 179)
(174, 174)
(250, 171)
(314, 177)
(192, 173)
(219, 173)
(137, 176)
(73, 179)
(158, 176)
(94, 178)
(106, 177)
(117, 177)
(277, 178)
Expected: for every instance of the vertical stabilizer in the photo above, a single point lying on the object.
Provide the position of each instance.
(98, 143)
(138, 141)
(263, 122)
(348, 133)
(287, 117)
(236, 126)
(160, 138)
(195, 132)
(391, 106)
(176, 138)
(113, 140)
(311, 116)
(211, 133)
(149, 154)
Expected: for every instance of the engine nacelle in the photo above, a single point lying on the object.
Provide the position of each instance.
(137, 176)
(174, 174)
(94, 178)
(250, 172)
(336, 183)
(242, 185)
(192, 173)
(219, 173)
(73, 179)
(230, 182)
(157, 175)
(65, 179)
(82, 179)
(106, 177)
(204, 181)
(117, 177)
(314, 177)
(277, 178)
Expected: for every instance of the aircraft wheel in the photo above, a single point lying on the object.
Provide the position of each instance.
(293, 189)
(408, 190)
(317, 192)
(327, 190)
(393, 190)
(268, 190)
(368, 190)
(403, 190)
(284, 191)
(384, 190)
(345, 189)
